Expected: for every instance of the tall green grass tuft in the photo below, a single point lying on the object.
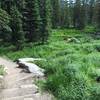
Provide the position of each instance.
(2, 70)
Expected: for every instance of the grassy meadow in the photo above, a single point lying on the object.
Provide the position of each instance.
(72, 63)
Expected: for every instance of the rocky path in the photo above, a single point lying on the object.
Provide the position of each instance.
(19, 85)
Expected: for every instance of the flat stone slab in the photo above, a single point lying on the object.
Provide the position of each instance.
(31, 67)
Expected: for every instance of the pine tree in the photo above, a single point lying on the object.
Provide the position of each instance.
(32, 20)
(46, 20)
(20, 4)
(56, 13)
(4, 26)
(97, 14)
(4, 17)
(91, 11)
(7, 4)
(71, 9)
(16, 26)
(64, 14)
(79, 15)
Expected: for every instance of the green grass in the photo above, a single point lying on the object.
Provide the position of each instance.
(2, 70)
(71, 67)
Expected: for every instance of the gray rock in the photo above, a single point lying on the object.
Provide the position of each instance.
(31, 67)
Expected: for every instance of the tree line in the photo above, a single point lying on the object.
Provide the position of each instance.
(75, 13)
(24, 21)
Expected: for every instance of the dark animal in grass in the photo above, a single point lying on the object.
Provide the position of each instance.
(22, 66)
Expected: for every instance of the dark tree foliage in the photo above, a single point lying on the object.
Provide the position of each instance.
(45, 14)
(64, 15)
(74, 13)
(5, 30)
(46, 20)
(79, 15)
(16, 26)
(7, 4)
(97, 14)
(56, 12)
(30, 20)
(33, 20)
(90, 11)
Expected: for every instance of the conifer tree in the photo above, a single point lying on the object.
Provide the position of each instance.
(91, 11)
(7, 4)
(20, 4)
(33, 20)
(5, 30)
(16, 26)
(65, 15)
(71, 9)
(97, 14)
(79, 15)
(46, 20)
(56, 13)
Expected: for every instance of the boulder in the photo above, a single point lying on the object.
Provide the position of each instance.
(31, 67)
